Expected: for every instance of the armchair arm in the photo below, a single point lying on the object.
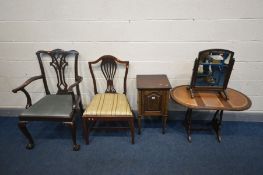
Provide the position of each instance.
(79, 79)
(22, 88)
(27, 82)
(70, 90)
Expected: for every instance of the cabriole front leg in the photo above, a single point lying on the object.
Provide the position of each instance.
(72, 126)
(23, 129)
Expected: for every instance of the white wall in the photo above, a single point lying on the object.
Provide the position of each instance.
(156, 36)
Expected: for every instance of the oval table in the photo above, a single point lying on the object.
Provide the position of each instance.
(209, 100)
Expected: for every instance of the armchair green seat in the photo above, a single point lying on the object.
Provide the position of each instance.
(61, 106)
(57, 106)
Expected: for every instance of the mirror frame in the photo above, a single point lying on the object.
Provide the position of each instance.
(193, 87)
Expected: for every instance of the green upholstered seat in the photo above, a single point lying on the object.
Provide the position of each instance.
(59, 106)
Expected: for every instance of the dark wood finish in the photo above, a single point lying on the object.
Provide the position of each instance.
(22, 88)
(237, 101)
(24, 130)
(108, 65)
(89, 123)
(153, 96)
(221, 89)
(73, 128)
(58, 62)
(211, 100)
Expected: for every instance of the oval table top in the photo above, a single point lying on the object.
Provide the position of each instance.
(237, 101)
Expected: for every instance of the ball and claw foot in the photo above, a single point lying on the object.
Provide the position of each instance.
(219, 139)
(76, 147)
(30, 146)
(189, 138)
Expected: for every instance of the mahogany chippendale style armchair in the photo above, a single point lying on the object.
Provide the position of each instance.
(108, 106)
(61, 106)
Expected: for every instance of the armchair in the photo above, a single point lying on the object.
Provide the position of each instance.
(61, 106)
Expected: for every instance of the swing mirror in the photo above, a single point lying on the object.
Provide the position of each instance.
(212, 70)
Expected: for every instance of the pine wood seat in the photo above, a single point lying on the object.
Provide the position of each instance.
(109, 106)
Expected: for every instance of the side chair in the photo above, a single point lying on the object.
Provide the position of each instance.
(109, 106)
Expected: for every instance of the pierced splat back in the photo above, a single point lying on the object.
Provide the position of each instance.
(108, 68)
(59, 63)
(109, 65)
